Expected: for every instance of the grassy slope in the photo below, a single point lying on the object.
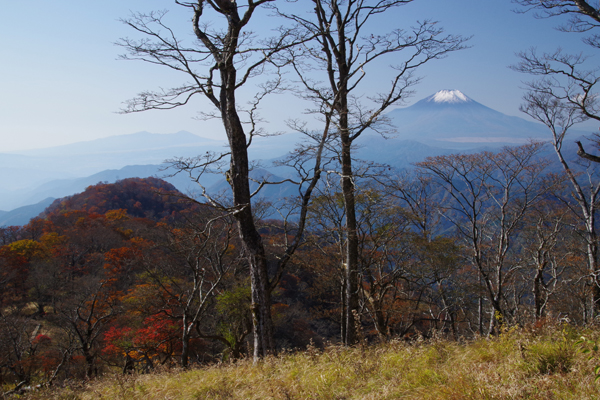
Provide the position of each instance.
(518, 365)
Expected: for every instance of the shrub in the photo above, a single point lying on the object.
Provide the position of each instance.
(550, 357)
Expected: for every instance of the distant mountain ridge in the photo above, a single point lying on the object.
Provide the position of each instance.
(21, 216)
(27, 173)
(445, 122)
(134, 142)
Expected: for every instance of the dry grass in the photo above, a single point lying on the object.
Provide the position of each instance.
(517, 365)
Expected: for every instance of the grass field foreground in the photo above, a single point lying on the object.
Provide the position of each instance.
(544, 363)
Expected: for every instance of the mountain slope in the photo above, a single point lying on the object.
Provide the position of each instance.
(450, 118)
(22, 215)
(151, 198)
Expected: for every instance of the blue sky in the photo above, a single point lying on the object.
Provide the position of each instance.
(61, 82)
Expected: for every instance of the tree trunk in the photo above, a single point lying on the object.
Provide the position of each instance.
(348, 188)
(251, 239)
(343, 299)
(348, 185)
(185, 349)
(380, 320)
(592, 250)
(539, 300)
(89, 364)
(498, 315)
(351, 243)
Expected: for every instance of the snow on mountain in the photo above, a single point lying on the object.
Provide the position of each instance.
(448, 96)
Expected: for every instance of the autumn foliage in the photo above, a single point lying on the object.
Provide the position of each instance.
(131, 276)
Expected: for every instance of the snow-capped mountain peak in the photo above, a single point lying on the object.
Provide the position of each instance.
(449, 96)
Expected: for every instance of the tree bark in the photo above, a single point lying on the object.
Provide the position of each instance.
(251, 239)
(351, 242)
(581, 153)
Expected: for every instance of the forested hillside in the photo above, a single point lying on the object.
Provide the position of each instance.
(150, 198)
(133, 275)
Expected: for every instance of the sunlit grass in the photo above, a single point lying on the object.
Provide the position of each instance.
(520, 364)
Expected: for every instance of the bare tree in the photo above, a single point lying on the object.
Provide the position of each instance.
(187, 282)
(84, 315)
(583, 15)
(566, 93)
(342, 51)
(417, 193)
(559, 118)
(547, 251)
(220, 62)
(383, 254)
(488, 196)
(436, 257)
(571, 79)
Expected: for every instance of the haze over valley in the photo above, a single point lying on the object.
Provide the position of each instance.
(442, 123)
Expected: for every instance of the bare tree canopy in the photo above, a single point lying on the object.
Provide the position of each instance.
(333, 69)
(219, 62)
(565, 93)
(584, 15)
(571, 79)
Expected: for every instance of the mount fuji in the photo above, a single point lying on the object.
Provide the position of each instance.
(451, 119)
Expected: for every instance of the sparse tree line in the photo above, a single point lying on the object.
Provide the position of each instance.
(463, 244)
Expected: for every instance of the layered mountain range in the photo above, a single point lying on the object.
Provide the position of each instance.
(445, 122)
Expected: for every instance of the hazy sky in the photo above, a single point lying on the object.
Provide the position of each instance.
(61, 82)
